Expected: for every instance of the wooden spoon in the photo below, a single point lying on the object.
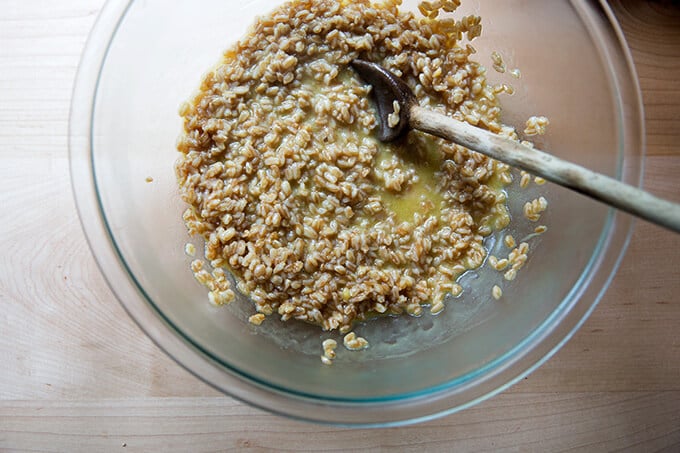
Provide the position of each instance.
(388, 88)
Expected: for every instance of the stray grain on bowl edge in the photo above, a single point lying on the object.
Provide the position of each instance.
(291, 190)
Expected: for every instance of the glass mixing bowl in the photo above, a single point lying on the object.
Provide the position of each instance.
(145, 57)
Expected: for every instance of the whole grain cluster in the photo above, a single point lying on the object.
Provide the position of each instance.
(317, 220)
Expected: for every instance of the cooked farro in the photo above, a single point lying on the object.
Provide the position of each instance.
(534, 208)
(525, 179)
(501, 264)
(536, 125)
(393, 118)
(328, 346)
(498, 64)
(256, 319)
(293, 194)
(540, 229)
(509, 241)
(354, 343)
(326, 361)
(493, 261)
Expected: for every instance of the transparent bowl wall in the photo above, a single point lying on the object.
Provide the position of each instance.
(145, 57)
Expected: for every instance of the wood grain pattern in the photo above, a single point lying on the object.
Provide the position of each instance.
(555, 422)
(77, 374)
(652, 29)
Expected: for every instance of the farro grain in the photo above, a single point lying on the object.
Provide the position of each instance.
(493, 261)
(256, 319)
(393, 118)
(525, 179)
(509, 241)
(501, 264)
(326, 361)
(534, 208)
(329, 346)
(354, 343)
(536, 125)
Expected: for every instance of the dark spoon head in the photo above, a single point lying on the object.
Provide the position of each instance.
(387, 88)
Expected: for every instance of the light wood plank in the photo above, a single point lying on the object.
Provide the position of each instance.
(544, 422)
(652, 29)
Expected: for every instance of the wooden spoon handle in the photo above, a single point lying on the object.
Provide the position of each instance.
(567, 174)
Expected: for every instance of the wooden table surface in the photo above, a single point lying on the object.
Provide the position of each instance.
(77, 373)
